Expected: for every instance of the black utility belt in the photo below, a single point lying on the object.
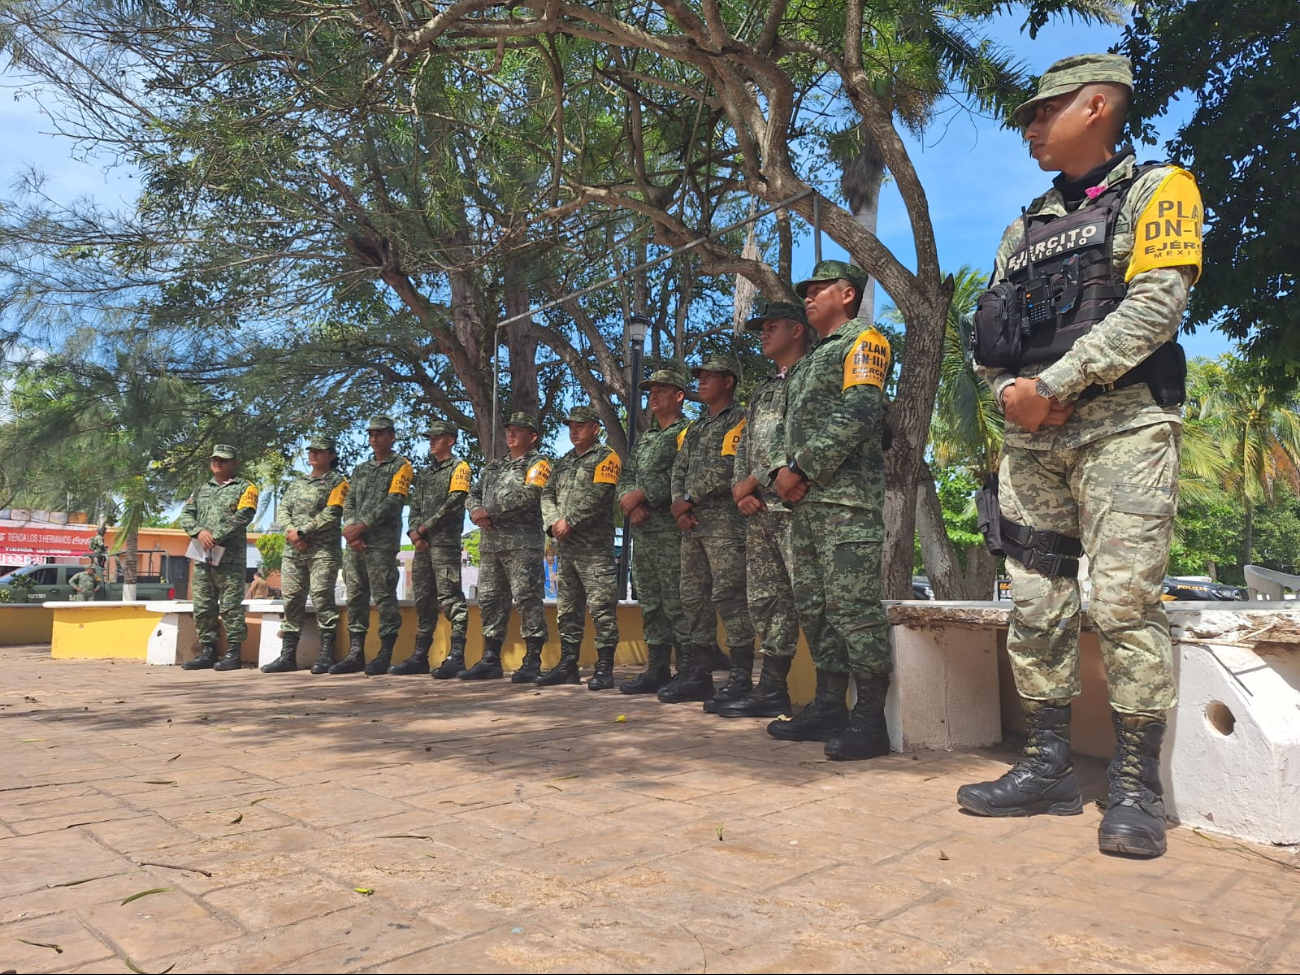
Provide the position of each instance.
(1096, 389)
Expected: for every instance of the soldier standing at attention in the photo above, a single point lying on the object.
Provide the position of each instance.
(645, 497)
(506, 504)
(830, 466)
(1093, 280)
(578, 512)
(218, 514)
(372, 529)
(713, 537)
(769, 560)
(99, 548)
(311, 511)
(436, 517)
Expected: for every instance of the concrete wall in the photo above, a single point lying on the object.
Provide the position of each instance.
(22, 623)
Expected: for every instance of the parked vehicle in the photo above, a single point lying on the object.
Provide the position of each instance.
(1192, 587)
(50, 582)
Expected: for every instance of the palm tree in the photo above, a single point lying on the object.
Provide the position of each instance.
(1257, 434)
(923, 51)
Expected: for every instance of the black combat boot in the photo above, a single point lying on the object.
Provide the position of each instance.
(355, 661)
(418, 661)
(739, 683)
(454, 662)
(1043, 780)
(566, 671)
(383, 658)
(531, 668)
(324, 659)
(230, 659)
(489, 665)
(288, 659)
(657, 672)
(821, 719)
(770, 699)
(712, 658)
(206, 659)
(865, 736)
(603, 678)
(694, 680)
(1134, 822)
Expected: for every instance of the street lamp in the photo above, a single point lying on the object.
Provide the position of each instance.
(638, 327)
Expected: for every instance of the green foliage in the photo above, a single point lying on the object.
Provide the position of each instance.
(1239, 60)
(271, 548)
(470, 544)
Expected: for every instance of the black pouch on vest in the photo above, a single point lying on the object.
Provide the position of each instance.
(1000, 327)
(989, 515)
(1165, 372)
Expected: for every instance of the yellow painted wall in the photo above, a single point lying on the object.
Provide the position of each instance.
(22, 623)
(106, 630)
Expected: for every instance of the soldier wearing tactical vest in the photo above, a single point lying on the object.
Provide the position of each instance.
(372, 530)
(506, 504)
(713, 539)
(217, 515)
(645, 498)
(436, 517)
(1077, 340)
(829, 465)
(311, 511)
(578, 512)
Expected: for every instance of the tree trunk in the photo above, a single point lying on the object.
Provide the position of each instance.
(981, 573)
(1248, 543)
(131, 565)
(941, 565)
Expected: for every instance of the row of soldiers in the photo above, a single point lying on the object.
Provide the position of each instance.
(768, 518)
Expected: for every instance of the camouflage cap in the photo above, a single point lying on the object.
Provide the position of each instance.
(522, 420)
(718, 362)
(321, 443)
(381, 421)
(583, 414)
(441, 428)
(772, 310)
(224, 451)
(671, 373)
(1070, 74)
(833, 271)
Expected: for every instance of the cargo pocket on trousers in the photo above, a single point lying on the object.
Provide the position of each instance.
(1139, 528)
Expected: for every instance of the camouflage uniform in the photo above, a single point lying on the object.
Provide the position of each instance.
(438, 514)
(314, 506)
(657, 544)
(713, 553)
(86, 586)
(769, 556)
(377, 493)
(98, 550)
(581, 492)
(832, 433)
(225, 510)
(1109, 476)
(510, 552)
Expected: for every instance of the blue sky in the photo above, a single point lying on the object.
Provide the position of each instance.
(976, 174)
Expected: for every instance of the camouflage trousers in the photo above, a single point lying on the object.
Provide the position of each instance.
(435, 577)
(1118, 495)
(512, 575)
(769, 563)
(713, 584)
(372, 573)
(657, 571)
(218, 594)
(81, 597)
(837, 589)
(588, 581)
(314, 573)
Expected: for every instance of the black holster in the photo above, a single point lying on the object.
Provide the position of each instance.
(1048, 552)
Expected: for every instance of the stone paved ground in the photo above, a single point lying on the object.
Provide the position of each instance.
(510, 830)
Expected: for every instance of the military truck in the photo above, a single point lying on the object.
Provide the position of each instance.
(160, 576)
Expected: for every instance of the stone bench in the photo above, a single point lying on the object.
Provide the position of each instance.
(174, 639)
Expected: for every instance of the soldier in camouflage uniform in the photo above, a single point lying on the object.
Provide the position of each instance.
(506, 504)
(645, 497)
(713, 537)
(436, 517)
(99, 548)
(578, 512)
(87, 585)
(1090, 462)
(769, 558)
(372, 529)
(218, 514)
(830, 465)
(311, 512)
